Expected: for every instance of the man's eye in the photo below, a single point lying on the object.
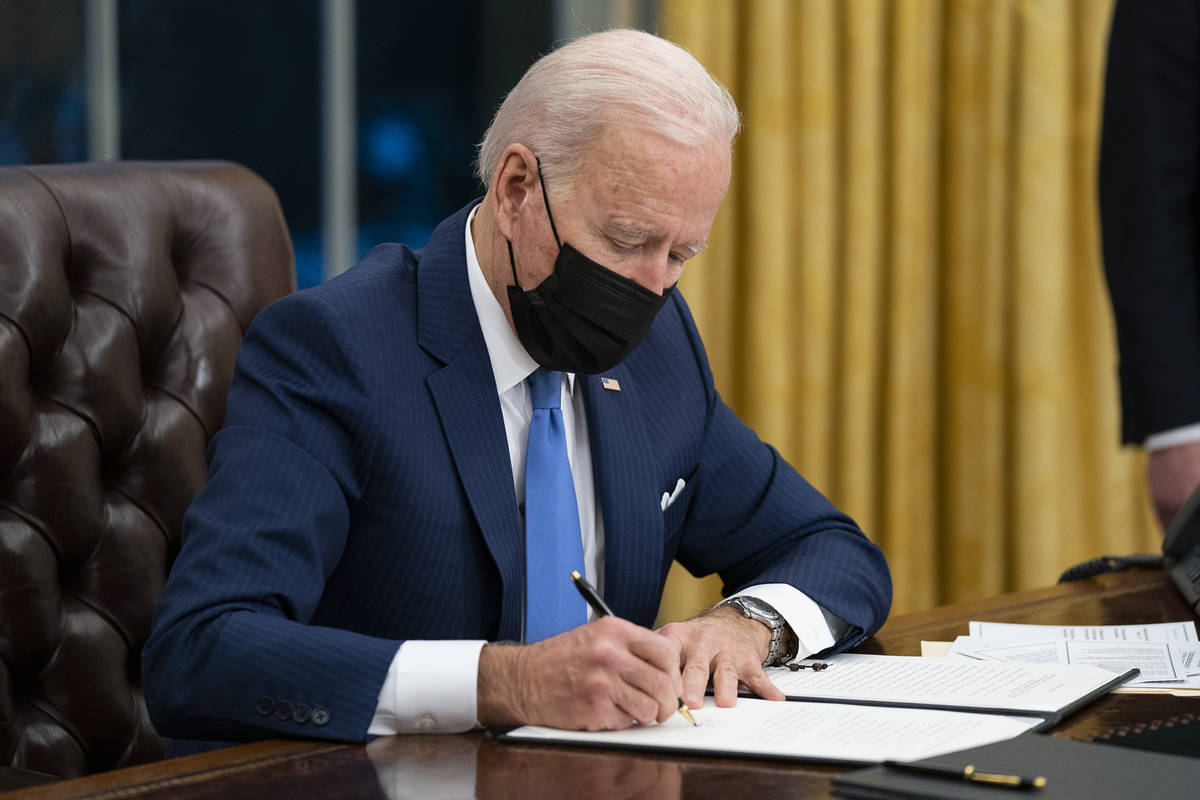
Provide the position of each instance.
(622, 247)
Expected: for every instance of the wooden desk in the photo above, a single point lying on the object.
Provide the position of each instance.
(409, 766)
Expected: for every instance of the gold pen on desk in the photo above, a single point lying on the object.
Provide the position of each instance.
(602, 610)
(969, 773)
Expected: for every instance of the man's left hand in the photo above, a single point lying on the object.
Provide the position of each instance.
(727, 646)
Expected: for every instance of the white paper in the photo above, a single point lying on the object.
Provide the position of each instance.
(1033, 688)
(819, 731)
(1189, 656)
(1184, 631)
(1051, 652)
(1157, 662)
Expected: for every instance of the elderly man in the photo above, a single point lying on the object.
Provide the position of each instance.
(418, 453)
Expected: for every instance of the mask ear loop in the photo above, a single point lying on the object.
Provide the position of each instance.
(546, 200)
(512, 262)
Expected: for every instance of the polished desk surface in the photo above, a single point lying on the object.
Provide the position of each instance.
(442, 766)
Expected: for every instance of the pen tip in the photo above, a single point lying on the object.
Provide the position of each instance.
(687, 714)
(575, 574)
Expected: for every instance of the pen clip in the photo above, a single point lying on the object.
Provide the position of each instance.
(1000, 779)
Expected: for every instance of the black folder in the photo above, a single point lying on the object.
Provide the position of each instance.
(1072, 770)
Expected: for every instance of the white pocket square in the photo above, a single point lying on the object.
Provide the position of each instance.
(669, 497)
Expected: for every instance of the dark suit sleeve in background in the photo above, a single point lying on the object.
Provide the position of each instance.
(1149, 176)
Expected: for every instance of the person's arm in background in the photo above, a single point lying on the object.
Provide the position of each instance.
(1149, 172)
(1173, 469)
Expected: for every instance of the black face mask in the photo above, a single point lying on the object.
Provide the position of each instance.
(583, 317)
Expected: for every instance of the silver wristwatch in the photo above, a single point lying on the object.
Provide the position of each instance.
(756, 609)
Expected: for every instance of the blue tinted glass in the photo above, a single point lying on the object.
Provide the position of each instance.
(241, 81)
(43, 117)
(230, 80)
(430, 76)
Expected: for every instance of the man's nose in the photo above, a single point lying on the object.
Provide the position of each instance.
(655, 274)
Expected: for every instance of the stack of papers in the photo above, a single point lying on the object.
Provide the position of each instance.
(1049, 691)
(825, 732)
(866, 709)
(1167, 654)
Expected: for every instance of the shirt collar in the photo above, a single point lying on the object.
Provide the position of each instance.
(511, 363)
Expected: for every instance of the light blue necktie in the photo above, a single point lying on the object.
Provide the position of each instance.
(553, 545)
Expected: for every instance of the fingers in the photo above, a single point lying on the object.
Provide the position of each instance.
(731, 670)
(756, 680)
(635, 705)
(725, 683)
(662, 654)
(652, 684)
(611, 673)
(699, 653)
(723, 647)
(625, 689)
(605, 675)
(701, 646)
(695, 680)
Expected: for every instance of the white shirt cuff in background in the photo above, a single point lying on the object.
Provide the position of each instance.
(430, 688)
(1176, 436)
(799, 610)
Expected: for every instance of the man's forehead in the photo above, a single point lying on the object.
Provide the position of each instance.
(643, 187)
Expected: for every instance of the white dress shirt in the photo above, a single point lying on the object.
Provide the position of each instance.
(1173, 437)
(431, 684)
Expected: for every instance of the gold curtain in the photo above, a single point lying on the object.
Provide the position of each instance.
(903, 290)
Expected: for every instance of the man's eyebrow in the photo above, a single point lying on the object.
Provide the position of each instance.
(628, 229)
(639, 234)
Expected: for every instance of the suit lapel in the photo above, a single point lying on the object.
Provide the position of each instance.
(625, 488)
(464, 392)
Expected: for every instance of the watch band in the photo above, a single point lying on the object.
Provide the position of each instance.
(753, 608)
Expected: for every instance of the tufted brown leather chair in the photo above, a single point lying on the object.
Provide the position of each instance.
(125, 289)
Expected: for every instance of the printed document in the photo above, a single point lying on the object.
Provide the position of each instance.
(1156, 661)
(1155, 632)
(806, 731)
(1045, 689)
(1167, 654)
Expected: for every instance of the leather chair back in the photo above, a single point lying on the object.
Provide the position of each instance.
(125, 289)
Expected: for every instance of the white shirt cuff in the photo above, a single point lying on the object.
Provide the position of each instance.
(799, 610)
(1176, 436)
(430, 688)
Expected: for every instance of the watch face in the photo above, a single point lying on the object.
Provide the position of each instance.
(756, 606)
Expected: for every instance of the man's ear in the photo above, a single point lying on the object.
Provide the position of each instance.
(513, 184)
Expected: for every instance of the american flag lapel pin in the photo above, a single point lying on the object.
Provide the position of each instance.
(612, 384)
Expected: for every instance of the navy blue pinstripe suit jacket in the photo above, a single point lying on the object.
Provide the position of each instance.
(360, 494)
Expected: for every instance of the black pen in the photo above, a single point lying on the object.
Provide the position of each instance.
(602, 610)
(969, 773)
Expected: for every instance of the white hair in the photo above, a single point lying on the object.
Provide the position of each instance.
(560, 105)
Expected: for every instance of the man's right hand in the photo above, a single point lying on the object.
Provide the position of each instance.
(1173, 473)
(605, 675)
